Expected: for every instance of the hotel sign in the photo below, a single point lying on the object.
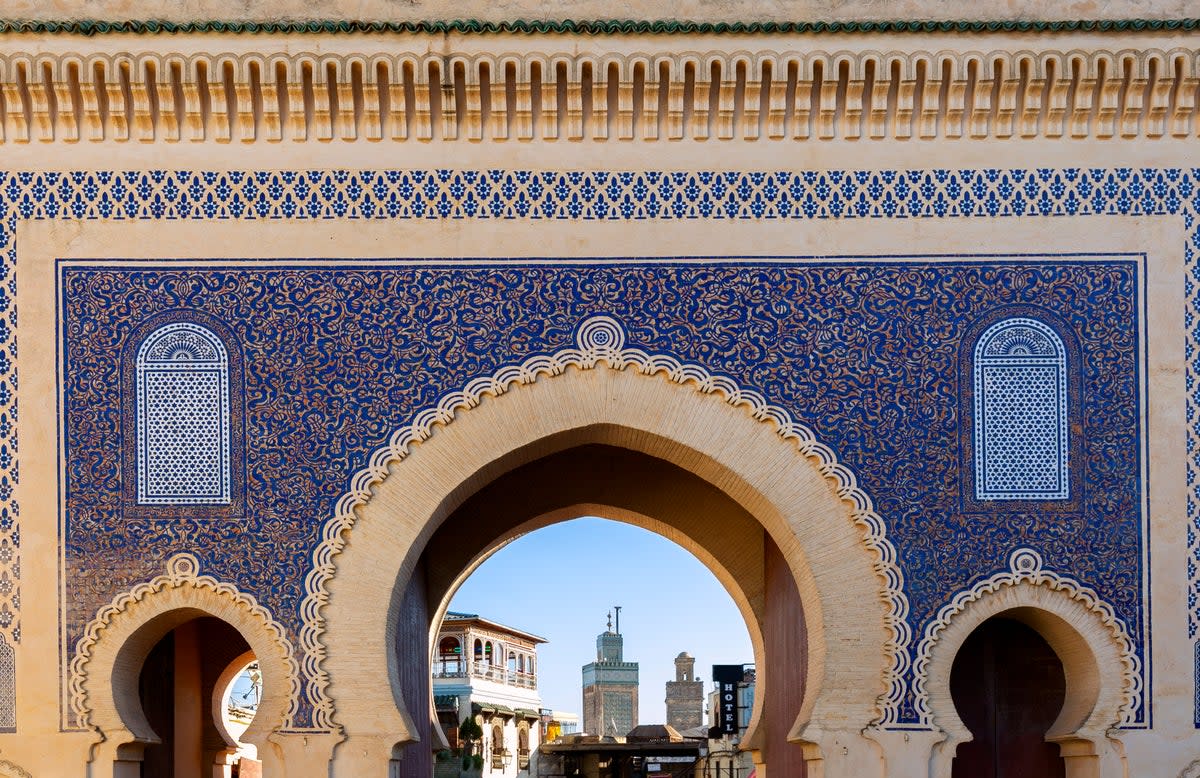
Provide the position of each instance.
(727, 678)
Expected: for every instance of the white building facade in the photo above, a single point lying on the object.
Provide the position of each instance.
(488, 671)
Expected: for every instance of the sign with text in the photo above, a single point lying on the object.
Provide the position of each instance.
(727, 678)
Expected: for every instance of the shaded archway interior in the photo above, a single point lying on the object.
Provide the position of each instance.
(176, 687)
(623, 484)
(1008, 687)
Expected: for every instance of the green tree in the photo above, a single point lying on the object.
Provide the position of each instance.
(469, 732)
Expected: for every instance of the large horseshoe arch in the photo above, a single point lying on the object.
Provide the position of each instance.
(842, 599)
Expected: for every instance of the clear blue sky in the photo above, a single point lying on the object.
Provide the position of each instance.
(561, 581)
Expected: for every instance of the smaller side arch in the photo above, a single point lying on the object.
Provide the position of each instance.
(103, 684)
(1103, 677)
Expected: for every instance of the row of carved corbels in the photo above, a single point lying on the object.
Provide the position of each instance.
(651, 96)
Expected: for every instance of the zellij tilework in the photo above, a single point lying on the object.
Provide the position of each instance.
(873, 354)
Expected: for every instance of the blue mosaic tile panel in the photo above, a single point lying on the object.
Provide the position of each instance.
(864, 354)
(612, 196)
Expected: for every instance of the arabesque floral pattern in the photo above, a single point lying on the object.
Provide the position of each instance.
(864, 353)
(713, 333)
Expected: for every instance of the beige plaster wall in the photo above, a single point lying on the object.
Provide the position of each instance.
(700, 10)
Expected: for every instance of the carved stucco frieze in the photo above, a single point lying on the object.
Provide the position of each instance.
(414, 88)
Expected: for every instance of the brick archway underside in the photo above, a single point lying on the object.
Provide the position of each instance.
(624, 485)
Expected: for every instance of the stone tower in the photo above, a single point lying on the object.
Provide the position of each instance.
(685, 695)
(610, 686)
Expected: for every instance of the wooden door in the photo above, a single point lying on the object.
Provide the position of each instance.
(1008, 687)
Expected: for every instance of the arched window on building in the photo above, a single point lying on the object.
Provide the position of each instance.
(498, 749)
(1020, 383)
(449, 657)
(523, 747)
(183, 417)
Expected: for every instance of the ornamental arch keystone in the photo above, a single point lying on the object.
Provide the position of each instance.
(833, 542)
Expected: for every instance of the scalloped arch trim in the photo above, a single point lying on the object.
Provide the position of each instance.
(1027, 566)
(601, 340)
(183, 570)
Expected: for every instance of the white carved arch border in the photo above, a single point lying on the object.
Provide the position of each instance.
(601, 340)
(1104, 676)
(182, 588)
(10, 770)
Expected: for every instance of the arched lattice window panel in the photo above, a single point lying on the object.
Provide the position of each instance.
(1020, 380)
(183, 440)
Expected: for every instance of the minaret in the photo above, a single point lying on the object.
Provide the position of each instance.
(685, 695)
(610, 686)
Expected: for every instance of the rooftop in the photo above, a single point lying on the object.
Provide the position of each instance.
(456, 619)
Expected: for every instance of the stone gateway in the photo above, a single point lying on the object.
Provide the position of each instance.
(888, 315)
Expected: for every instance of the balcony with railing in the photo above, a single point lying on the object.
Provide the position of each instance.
(458, 668)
